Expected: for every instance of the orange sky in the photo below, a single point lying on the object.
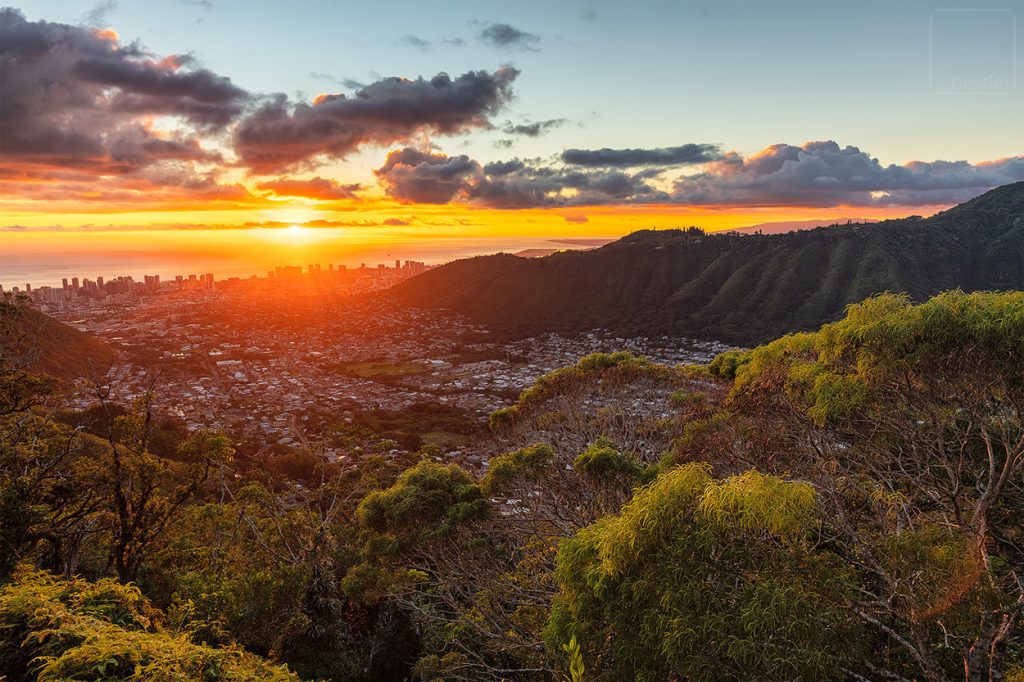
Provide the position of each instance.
(155, 149)
(368, 219)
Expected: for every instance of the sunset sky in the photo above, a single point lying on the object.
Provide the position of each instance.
(191, 125)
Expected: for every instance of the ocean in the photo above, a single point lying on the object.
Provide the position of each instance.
(44, 259)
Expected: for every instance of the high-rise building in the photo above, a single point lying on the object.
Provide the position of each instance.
(65, 283)
(209, 280)
(99, 282)
(74, 283)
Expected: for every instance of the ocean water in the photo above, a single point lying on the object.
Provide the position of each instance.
(43, 260)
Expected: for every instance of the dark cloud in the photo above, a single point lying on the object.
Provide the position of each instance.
(98, 15)
(313, 188)
(72, 97)
(421, 177)
(415, 176)
(497, 168)
(280, 135)
(164, 87)
(576, 218)
(825, 174)
(203, 4)
(534, 128)
(820, 174)
(508, 37)
(454, 42)
(415, 41)
(626, 158)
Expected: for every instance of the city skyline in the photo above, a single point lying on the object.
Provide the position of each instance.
(76, 286)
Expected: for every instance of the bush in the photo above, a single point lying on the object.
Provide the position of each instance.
(55, 629)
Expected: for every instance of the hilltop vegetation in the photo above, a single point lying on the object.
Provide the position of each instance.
(740, 289)
(843, 504)
(61, 350)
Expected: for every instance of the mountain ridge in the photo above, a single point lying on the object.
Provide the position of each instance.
(732, 287)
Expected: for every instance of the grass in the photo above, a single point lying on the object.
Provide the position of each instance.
(374, 369)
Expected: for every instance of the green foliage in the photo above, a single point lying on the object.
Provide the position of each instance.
(575, 659)
(595, 366)
(55, 629)
(911, 417)
(427, 500)
(704, 580)
(725, 365)
(603, 460)
(839, 370)
(502, 417)
(940, 575)
(525, 462)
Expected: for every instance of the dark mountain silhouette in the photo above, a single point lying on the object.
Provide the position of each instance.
(738, 288)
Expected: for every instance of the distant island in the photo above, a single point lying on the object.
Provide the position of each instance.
(794, 225)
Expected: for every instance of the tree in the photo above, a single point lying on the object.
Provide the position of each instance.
(48, 500)
(146, 492)
(618, 395)
(909, 420)
(20, 388)
(58, 629)
(700, 579)
(473, 560)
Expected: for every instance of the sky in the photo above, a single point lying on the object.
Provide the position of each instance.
(189, 126)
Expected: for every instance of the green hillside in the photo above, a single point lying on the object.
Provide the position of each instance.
(741, 289)
(61, 350)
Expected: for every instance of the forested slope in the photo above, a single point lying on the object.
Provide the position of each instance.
(61, 350)
(741, 289)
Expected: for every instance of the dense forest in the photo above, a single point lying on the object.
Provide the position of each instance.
(846, 503)
(744, 289)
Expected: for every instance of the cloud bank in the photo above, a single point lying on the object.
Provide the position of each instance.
(281, 135)
(825, 174)
(79, 98)
(414, 176)
(88, 118)
(818, 174)
(627, 158)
